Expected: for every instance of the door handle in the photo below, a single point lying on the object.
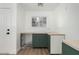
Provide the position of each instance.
(7, 33)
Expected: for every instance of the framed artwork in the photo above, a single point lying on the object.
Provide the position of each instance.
(39, 21)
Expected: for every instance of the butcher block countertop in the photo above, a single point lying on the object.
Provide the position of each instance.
(32, 33)
(56, 34)
(72, 43)
(49, 33)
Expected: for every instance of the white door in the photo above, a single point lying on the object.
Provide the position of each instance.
(5, 30)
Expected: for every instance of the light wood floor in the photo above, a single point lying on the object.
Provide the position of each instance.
(33, 51)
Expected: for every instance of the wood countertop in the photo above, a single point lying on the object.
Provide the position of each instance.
(49, 33)
(33, 33)
(72, 43)
(56, 34)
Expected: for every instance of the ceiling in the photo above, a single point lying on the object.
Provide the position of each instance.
(35, 7)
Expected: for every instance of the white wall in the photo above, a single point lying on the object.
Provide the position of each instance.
(50, 21)
(67, 16)
(20, 24)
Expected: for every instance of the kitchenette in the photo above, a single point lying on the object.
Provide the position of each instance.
(51, 40)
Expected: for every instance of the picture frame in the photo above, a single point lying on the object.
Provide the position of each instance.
(39, 21)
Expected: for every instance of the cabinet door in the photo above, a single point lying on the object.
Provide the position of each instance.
(56, 44)
(40, 40)
(35, 40)
(44, 40)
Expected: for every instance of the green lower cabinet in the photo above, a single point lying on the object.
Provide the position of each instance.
(35, 44)
(40, 40)
(67, 50)
(49, 42)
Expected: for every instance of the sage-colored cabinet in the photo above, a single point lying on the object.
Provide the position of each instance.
(68, 50)
(40, 40)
